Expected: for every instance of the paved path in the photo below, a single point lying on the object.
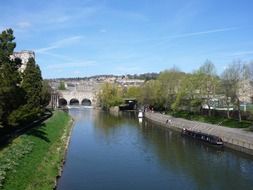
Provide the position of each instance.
(232, 137)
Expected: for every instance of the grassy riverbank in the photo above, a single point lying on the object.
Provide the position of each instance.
(213, 119)
(32, 161)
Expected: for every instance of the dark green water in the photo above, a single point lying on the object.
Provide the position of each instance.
(108, 152)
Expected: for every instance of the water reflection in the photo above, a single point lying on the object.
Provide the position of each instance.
(107, 122)
(120, 152)
(209, 167)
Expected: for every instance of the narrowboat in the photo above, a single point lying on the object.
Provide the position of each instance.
(210, 139)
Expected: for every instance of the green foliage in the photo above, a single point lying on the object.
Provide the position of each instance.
(133, 92)
(23, 115)
(251, 128)
(212, 119)
(61, 86)
(152, 94)
(231, 78)
(32, 84)
(6, 46)
(22, 98)
(45, 94)
(41, 150)
(187, 92)
(11, 95)
(32, 88)
(11, 156)
(170, 81)
(110, 95)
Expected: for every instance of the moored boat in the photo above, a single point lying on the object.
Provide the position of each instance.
(211, 139)
(140, 114)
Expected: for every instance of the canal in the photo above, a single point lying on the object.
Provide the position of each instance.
(117, 152)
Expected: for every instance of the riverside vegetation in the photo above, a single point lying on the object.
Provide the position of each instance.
(23, 95)
(183, 94)
(33, 160)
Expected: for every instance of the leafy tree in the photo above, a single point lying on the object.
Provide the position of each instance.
(32, 86)
(22, 96)
(231, 78)
(189, 93)
(170, 82)
(227, 90)
(110, 95)
(45, 94)
(133, 92)
(62, 86)
(152, 94)
(7, 46)
(209, 81)
(10, 92)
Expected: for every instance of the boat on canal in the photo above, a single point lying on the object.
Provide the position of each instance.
(210, 139)
(140, 114)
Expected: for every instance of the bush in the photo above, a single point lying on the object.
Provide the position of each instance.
(23, 115)
(251, 128)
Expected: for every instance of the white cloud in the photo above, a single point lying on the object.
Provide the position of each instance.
(24, 24)
(242, 53)
(59, 19)
(67, 65)
(203, 32)
(60, 44)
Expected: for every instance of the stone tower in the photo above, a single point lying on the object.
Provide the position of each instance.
(24, 56)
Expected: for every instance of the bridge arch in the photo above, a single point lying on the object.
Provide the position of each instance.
(62, 102)
(86, 102)
(74, 101)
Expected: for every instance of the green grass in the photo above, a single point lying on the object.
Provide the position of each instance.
(32, 161)
(213, 120)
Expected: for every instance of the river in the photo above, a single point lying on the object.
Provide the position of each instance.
(117, 152)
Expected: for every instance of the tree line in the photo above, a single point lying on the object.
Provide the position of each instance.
(23, 95)
(144, 76)
(174, 90)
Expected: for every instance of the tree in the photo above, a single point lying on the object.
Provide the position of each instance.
(151, 94)
(133, 92)
(170, 82)
(110, 95)
(189, 94)
(32, 84)
(61, 86)
(10, 92)
(32, 87)
(7, 46)
(209, 81)
(45, 94)
(231, 78)
(227, 90)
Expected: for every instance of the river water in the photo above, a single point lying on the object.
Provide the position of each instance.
(117, 152)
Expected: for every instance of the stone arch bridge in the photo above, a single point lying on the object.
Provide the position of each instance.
(66, 97)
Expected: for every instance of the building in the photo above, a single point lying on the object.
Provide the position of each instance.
(246, 91)
(24, 56)
(129, 82)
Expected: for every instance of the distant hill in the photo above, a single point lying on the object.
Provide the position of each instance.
(144, 76)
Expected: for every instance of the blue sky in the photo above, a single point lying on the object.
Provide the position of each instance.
(89, 37)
